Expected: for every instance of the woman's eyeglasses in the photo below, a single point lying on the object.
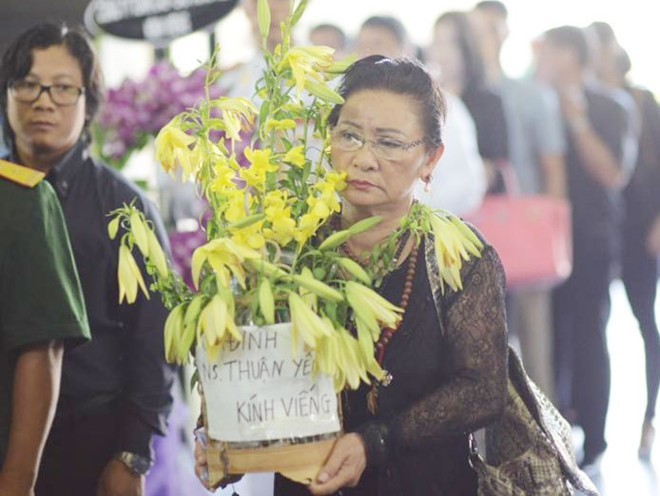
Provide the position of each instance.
(60, 94)
(384, 148)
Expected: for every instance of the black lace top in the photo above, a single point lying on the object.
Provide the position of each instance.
(449, 368)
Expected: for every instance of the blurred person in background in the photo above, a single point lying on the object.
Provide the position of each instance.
(596, 127)
(115, 389)
(604, 47)
(331, 36)
(639, 263)
(454, 51)
(41, 309)
(536, 147)
(463, 183)
(383, 35)
(239, 81)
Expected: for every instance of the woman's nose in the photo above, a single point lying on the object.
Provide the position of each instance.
(365, 158)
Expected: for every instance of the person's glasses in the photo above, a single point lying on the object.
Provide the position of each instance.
(385, 148)
(60, 94)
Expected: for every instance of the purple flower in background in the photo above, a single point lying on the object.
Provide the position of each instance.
(137, 110)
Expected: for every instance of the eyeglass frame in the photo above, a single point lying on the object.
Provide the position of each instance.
(375, 146)
(47, 88)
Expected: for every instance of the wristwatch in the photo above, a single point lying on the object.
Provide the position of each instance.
(138, 465)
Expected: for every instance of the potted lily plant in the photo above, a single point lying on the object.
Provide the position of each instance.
(279, 319)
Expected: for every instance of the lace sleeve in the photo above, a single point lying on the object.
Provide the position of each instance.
(475, 332)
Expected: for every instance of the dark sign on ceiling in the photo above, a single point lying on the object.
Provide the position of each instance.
(157, 21)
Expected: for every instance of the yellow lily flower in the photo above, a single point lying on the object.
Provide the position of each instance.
(113, 227)
(172, 144)
(306, 62)
(237, 114)
(139, 232)
(221, 253)
(235, 206)
(173, 329)
(266, 301)
(369, 305)
(295, 156)
(307, 227)
(279, 125)
(306, 324)
(255, 175)
(129, 276)
(324, 92)
(225, 179)
(283, 227)
(156, 253)
(191, 161)
(251, 236)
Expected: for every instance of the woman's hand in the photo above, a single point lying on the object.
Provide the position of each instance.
(202, 466)
(201, 463)
(117, 480)
(343, 468)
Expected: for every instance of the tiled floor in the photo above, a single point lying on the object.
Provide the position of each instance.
(622, 474)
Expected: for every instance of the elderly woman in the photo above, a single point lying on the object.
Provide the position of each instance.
(448, 358)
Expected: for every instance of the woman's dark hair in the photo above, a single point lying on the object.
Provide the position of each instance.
(403, 77)
(572, 38)
(17, 62)
(466, 38)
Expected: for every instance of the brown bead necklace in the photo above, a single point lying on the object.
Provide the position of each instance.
(387, 334)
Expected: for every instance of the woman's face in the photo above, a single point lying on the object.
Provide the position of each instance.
(445, 54)
(43, 127)
(388, 124)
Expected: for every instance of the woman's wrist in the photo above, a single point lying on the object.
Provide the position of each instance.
(376, 439)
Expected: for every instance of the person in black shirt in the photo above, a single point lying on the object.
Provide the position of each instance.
(455, 51)
(639, 263)
(116, 389)
(596, 128)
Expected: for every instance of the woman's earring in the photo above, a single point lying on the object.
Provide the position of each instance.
(427, 183)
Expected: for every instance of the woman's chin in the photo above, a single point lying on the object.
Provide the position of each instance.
(359, 198)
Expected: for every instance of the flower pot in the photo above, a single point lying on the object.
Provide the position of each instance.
(264, 408)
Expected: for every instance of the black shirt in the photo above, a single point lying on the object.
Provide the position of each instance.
(124, 362)
(597, 210)
(487, 111)
(449, 379)
(642, 195)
